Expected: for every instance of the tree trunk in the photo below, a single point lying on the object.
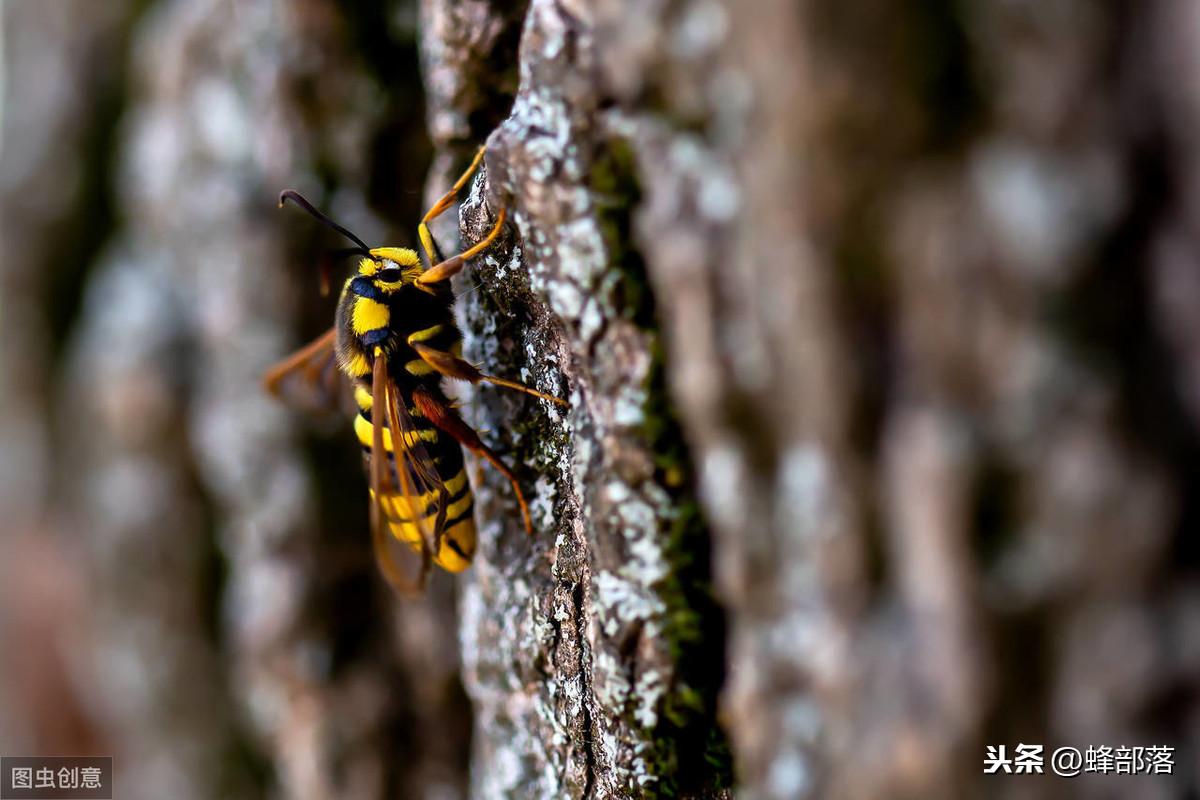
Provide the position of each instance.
(918, 295)
(879, 328)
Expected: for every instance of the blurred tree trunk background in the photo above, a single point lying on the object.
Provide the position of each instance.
(880, 324)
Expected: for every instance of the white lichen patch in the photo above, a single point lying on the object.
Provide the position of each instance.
(646, 560)
(541, 505)
(583, 256)
(579, 258)
(638, 518)
(565, 297)
(721, 476)
(608, 680)
(701, 29)
(629, 407)
(618, 602)
(616, 492)
(639, 770)
(789, 775)
(649, 690)
(540, 118)
(719, 197)
(591, 320)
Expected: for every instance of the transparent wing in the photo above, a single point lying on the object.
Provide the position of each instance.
(409, 483)
(309, 378)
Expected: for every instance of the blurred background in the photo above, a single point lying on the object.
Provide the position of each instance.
(182, 589)
(881, 328)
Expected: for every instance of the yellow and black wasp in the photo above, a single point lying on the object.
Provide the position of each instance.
(395, 338)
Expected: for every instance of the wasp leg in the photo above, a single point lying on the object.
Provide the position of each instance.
(447, 419)
(452, 366)
(442, 205)
(453, 265)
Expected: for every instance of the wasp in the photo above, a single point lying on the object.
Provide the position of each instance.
(395, 339)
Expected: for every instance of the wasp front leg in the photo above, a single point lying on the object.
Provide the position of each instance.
(452, 266)
(442, 206)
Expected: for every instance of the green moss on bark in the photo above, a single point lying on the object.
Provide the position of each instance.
(690, 755)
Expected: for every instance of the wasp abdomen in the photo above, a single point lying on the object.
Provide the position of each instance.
(407, 514)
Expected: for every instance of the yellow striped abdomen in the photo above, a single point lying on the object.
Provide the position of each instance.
(404, 512)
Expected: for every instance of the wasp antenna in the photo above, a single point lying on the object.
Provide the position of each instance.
(342, 252)
(298, 199)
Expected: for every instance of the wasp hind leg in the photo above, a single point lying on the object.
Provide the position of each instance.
(446, 419)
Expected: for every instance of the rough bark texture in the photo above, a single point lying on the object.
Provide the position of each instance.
(919, 317)
(594, 654)
(879, 325)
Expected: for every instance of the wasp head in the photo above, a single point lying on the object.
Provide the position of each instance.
(390, 268)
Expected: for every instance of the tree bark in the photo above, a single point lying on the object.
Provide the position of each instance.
(878, 324)
(920, 303)
(594, 653)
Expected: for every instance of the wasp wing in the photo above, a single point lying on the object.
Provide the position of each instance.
(310, 378)
(408, 494)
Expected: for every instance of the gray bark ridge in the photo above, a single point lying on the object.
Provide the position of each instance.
(593, 654)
